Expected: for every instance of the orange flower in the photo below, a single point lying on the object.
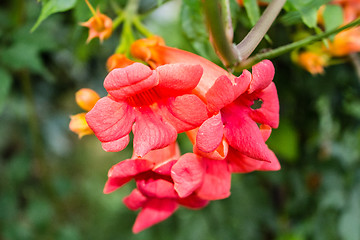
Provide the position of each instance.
(117, 60)
(79, 125)
(99, 26)
(313, 62)
(345, 42)
(145, 49)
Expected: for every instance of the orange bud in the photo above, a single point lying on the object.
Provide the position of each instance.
(79, 125)
(99, 26)
(142, 48)
(86, 98)
(117, 60)
(312, 62)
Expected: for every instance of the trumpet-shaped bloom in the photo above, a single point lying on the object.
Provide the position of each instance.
(155, 193)
(154, 104)
(231, 98)
(238, 116)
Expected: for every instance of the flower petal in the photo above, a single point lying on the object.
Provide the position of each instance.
(218, 154)
(217, 180)
(210, 134)
(220, 94)
(110, 120)
(240, 163)
(165, 167)
(177, 79)
(154, 211)
(157, 188)
(135, 200)
(125, 82)
(224, 91)
(187, 174)
(269, 112)
(243, 134)
(151, 132)
(184, 112)
(124, 171)
(265, 131)
(163, 155)
(263, 74)
(193, 201)
(117, 145)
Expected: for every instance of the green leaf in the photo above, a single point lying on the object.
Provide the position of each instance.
(252, 10)
(193, 25)
(5, 86)
(333, 17)
(302, 10)
(22, 56)
(51, 7)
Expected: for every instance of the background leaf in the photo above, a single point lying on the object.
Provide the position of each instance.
(333, 17)
(252, 10)
(53, 6)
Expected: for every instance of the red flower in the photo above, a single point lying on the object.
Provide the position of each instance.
(155, 193)
(155, 104)
(231, 100)
(239, 119)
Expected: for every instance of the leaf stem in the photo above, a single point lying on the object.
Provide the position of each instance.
(289, 47)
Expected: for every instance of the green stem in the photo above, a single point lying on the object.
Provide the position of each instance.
(127, 37)
(257, 33)
(141, 28)
(292, 46)
(215, 13)
(118, 20)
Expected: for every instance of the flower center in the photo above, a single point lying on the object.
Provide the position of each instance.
(145, 98)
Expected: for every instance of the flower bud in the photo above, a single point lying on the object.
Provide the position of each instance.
(79, 125)
(86, 98)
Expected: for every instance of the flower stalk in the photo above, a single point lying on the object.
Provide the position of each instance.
(292, 46)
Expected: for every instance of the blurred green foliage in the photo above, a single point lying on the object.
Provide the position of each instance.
(51, 182)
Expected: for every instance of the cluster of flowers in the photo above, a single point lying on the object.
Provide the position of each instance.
(317, 56)
(177, 92)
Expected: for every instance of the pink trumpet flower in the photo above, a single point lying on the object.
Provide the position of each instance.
(155, 193)
(154, 104)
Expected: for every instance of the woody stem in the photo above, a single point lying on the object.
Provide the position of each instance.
(257, 33)
(292, 46)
